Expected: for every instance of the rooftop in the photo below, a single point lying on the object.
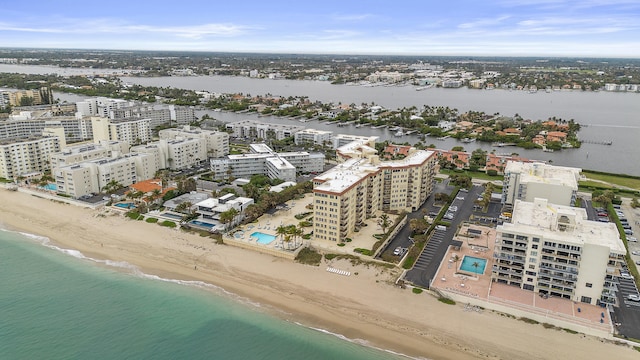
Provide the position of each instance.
(536, 172)
(548, 221)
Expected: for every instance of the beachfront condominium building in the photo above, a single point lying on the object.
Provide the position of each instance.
(30, 97)
(132, 131)
(158, 114)
(257, 129)
(362, 186)
(93, 176)
(175, 154)
(26, 156)
(263, 160)
(555, 250)
(527, 181)
(313, 136)
(217, 142)
(75, 154)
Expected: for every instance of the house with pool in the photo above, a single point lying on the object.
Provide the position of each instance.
(209, 211)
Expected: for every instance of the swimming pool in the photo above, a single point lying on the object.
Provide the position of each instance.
(172, 216)
(125, 205)
(201, 223)
(263, 238)
(473, 264)
(50, 187)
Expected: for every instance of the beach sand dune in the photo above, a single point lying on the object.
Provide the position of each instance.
(363, 306)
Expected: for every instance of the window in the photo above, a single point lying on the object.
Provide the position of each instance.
(532, 267)
(534, 246)
(586, 299)
(589, 285)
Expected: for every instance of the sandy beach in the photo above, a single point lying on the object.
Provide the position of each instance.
(364, 306)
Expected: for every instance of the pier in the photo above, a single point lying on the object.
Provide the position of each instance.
(597, 142)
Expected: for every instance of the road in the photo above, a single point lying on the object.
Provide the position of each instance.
(432, 255)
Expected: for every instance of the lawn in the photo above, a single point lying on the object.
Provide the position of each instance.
(633, 183)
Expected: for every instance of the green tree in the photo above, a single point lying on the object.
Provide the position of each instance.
(384, 222)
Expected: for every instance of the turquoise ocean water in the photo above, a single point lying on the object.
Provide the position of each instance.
(55, 304)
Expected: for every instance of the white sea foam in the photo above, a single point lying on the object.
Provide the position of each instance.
(360, 342)
(134, 270)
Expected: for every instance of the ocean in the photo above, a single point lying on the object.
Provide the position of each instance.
(58, 304)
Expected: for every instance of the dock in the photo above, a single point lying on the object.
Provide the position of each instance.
(597, 142)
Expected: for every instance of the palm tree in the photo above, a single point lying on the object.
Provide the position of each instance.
(281, 231)
(455, 259)
(384, 222)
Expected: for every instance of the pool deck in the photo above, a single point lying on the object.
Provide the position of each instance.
(268, 223)
(479, 290)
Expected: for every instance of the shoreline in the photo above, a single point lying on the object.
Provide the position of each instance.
(363, 307)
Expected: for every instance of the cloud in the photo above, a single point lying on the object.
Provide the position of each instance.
(352, 17)
(111, 26)
(484, 22)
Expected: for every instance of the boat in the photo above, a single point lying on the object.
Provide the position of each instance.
(399, 133)
(468, 140)
(358, 125)
(547, 150)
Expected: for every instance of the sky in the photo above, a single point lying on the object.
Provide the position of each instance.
(584, 28)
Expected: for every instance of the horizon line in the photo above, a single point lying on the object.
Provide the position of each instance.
(326, 54)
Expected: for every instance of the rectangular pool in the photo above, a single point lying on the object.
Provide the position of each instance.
(125, 205)
(263, 238)
(473, 264)
(50, 187)
(201, 223)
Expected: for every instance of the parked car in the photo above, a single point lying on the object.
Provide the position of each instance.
(632, 239)
(626, 275)
(635, 252)
(633, 297)
(397, 251)
(628, 231)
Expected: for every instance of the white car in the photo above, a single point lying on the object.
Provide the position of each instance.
(632, 239)
(633, 297)
(397, 251)
(636, 252)
(626, 275)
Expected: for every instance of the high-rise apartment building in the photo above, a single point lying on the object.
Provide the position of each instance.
(527, 181)
(25, 156)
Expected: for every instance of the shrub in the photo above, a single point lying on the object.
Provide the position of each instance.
(528, 321)
(341, 244)
(330, 256)
(570, 331)
(416, 290)
(363, 251)
(168, 223)
(152, 220)
(446, 300)
(309, 256)
(133, 215)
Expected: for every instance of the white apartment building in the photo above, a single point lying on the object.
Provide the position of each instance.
(26, 156)
(157, 114)
(360, 187)
(75, 154)
(553, 249)
(74, 129)
(92, 176)
(131, 131)
(527, 181)
(217, 142)
(101, 106)
(343, 139)
(305, 162)
(257, 129)
(175, 154)
(312, 136)
(263, 160)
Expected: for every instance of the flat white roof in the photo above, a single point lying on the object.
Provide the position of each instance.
(540, 217)
(280, 163)
(350, 172)
(537, 172)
